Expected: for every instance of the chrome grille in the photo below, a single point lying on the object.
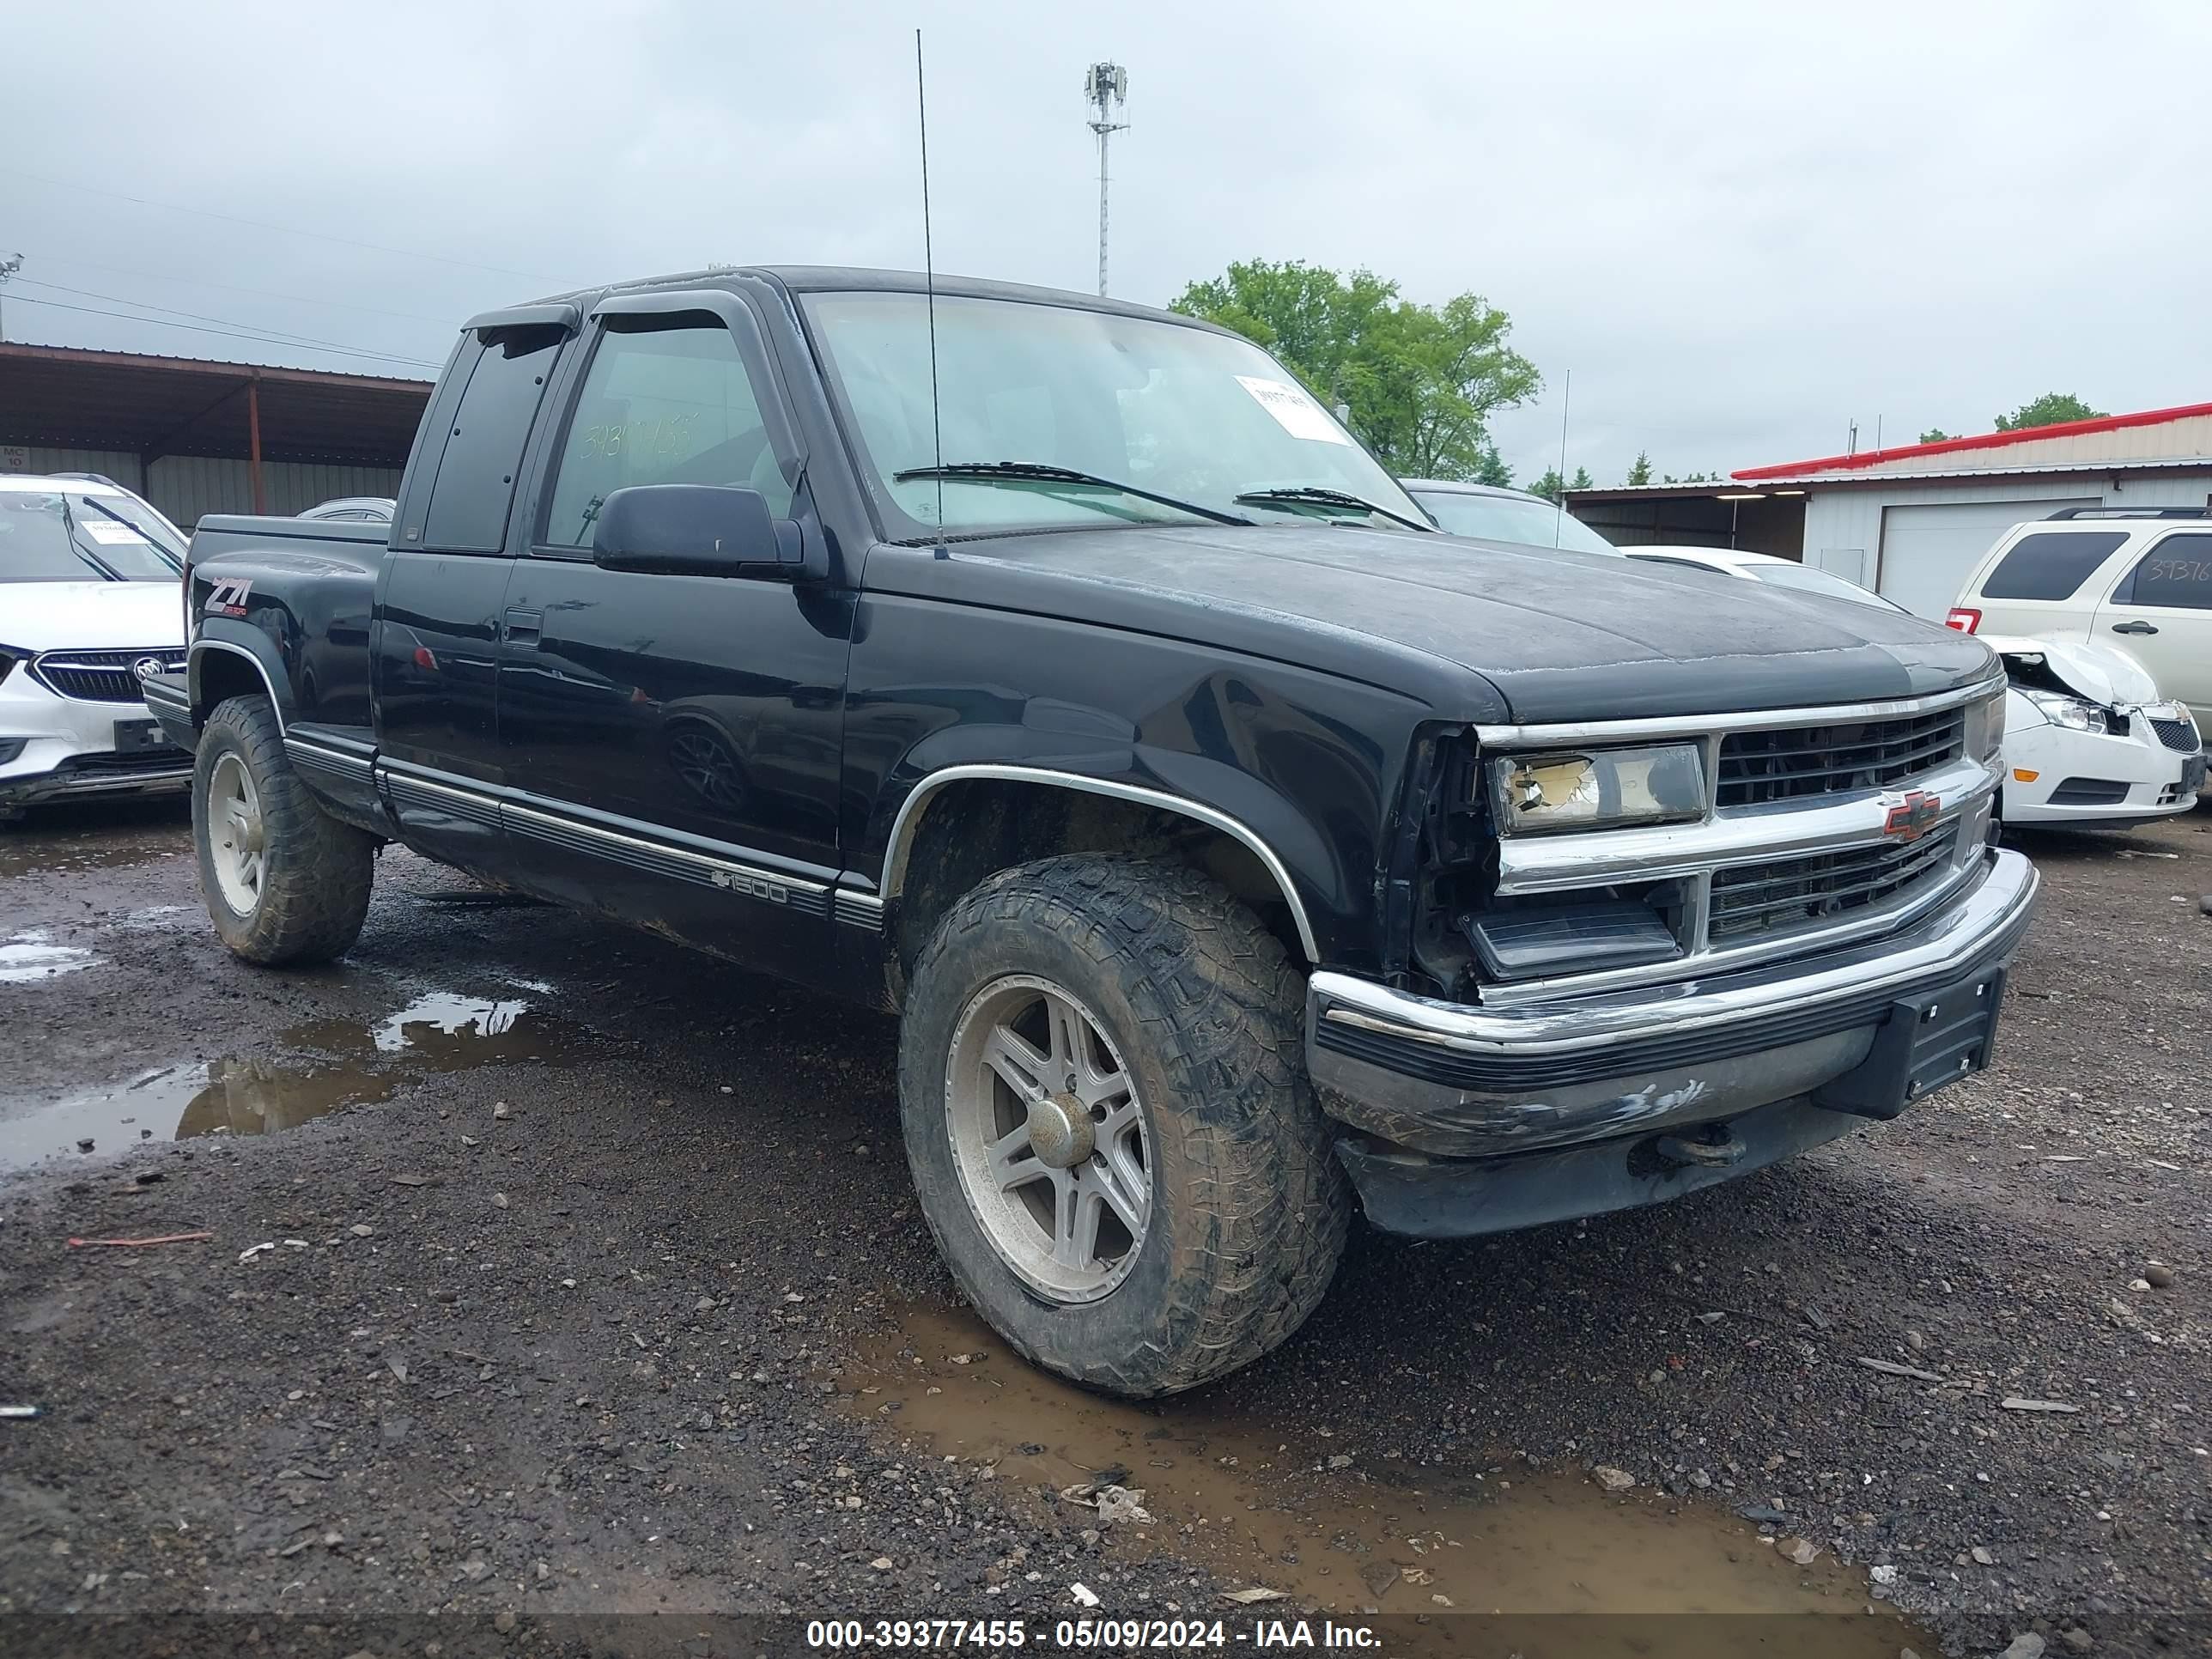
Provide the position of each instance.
(2180, 736)
(101, 676)
(1792, 763)
(1752, 899)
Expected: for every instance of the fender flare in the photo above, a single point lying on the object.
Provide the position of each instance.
(900, 843)
(278, 698)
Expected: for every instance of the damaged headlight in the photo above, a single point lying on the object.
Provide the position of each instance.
(1985, 728)
(1602, 789)
(2072, 712)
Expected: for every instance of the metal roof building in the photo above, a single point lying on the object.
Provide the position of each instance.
(1910, 520)
(195, 436)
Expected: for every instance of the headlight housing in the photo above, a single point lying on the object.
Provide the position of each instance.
(1543, 794)
(2072, 712)
(1985, 726)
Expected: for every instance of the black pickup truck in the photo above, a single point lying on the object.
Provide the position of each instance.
(1060, 675)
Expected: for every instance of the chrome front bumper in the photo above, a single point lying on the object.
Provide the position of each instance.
(1462, 1080)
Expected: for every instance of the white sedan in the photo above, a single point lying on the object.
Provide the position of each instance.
(90, 604)
(2088, 740)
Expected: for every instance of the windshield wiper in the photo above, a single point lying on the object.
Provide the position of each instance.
(1323, 495)
(78, 547)
(1044, 472)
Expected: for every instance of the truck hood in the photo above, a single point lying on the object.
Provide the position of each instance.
(2102, 673)
(91, 615)
(1561, 636)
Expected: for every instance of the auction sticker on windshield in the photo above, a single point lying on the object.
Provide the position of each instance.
(111, 535)
(1296, 413)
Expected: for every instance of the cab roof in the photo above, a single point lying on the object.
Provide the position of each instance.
(850, 279)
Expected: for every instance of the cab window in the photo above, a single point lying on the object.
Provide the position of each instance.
(664, 401)
(475, 486)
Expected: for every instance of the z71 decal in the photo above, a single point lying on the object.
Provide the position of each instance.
(227, 597)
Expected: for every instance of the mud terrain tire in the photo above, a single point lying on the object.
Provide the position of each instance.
(305, 900)
(1204, 1011)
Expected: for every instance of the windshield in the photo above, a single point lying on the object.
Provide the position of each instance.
(1186, 413)
(1522, 519)
(1818, 581)
(71, 536)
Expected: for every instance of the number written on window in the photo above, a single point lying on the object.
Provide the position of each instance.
(2177, 572)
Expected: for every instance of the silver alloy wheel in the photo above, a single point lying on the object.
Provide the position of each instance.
(1049, 1138)
(236, 841)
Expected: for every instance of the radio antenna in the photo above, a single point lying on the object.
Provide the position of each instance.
(929, 281)
(1566, 401)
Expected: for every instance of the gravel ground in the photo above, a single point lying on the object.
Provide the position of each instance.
(573, 1319)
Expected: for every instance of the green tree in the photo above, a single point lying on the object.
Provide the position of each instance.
(1694, 477)
(1640, 474)
(1491, 468)
(1421, 381)
(1934, 434)
(1550, 485)
(2049, 409)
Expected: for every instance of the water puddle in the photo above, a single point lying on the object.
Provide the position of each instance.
(34, 955)
(355, 1063)
(39, 851)
(1266, 1510)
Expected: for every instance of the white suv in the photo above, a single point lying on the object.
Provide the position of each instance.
(90, 604)
(2140, 581)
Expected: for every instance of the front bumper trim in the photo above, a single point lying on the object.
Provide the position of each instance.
(1467, 1081)
(1991, 915)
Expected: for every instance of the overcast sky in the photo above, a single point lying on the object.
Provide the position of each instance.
(1742, 226)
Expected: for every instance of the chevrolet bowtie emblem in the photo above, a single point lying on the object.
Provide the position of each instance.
(1913, 816)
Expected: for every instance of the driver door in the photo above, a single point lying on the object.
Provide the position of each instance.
(675, 738)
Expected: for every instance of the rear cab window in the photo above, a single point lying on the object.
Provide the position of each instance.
(2051, 564)
(474, 489)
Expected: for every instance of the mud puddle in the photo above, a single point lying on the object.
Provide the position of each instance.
(352, 1063)
(39, 850)
(1266, 1510)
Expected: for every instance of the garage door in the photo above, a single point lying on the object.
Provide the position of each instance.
(1926, 551)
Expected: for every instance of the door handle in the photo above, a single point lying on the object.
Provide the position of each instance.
(2134, 627)
(522, 626)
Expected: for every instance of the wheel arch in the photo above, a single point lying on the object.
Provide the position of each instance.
(217, 669)
(912, 908)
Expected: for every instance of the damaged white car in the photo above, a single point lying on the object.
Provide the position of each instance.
(2088, 740)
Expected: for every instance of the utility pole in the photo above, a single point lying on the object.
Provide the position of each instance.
(12, 263)
(1105, 86)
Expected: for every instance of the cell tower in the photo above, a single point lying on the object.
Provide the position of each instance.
(1105, 86)
(12, 263)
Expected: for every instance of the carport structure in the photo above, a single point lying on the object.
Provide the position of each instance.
(198, 436)
(1717, 514)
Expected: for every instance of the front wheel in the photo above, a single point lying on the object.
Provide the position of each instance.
(1103, 1086)
(285, 883)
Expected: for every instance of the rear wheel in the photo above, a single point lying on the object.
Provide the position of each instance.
(1103, 1083)
(284, 882)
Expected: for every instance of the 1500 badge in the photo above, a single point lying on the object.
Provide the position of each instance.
(759, 887)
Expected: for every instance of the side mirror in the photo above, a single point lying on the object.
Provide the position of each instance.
(696, 530)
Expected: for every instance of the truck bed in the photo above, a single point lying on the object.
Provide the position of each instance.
(296, 594)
